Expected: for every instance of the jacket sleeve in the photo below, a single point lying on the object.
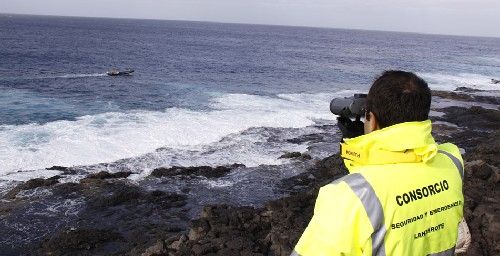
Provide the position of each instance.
(339, 226)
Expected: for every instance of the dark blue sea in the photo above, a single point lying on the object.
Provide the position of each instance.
(202, 93)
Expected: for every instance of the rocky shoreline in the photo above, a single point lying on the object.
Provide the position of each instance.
(276, 228)
(119, 217)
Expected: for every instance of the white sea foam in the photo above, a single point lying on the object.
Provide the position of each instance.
(70, 76)
(253, 147)
(438, 81)
(79, 75)
(217, 183)
(108, 137)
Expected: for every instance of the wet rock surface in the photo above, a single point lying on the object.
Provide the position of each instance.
(99, 215)
(108, 214)
(296, 155)
(478, 133)
(106, 175)
(270, 230)
(473, 118)
(80, 240)
(482, 193)
(205, 171)
(32, 184)
(464, 94)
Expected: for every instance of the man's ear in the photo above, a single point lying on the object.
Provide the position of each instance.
(371, 123)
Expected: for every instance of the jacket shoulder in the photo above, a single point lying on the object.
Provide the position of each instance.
(450, 148)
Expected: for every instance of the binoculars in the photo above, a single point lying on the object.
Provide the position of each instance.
(349, 107)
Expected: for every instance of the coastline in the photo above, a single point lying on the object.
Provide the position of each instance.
(153, 222)
(473, 129)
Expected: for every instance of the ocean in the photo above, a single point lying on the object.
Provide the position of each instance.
(202, 93)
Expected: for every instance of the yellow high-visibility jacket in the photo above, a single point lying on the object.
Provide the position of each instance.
(403, 196)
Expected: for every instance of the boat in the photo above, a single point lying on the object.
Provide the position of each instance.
(495, 81)
(115, 72)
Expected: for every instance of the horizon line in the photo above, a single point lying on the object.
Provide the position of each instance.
(245, 23)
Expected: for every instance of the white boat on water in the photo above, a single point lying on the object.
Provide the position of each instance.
(115, 72)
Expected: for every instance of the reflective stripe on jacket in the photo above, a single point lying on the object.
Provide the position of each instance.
(403, 196)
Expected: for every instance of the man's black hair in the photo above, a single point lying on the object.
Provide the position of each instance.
(397, 97)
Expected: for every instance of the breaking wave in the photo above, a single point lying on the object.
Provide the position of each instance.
(112, 136)
(438, 81)
(78, 75)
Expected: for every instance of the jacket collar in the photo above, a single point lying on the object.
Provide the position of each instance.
(409, 142)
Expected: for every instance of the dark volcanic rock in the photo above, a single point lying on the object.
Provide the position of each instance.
(271, 230)
(487, 149)
(138, 216)
(317, 137)
(68, 189)
(474, 117)
(80, 242)
(105, 194)
(296, 155)
(93, 217)
(324, 172)
(463, 94)
(31, 184)
(57, 168)
(482, 208)
(65, 170)
(119, 195)
(226, 230)
(291, 155)
(480, 136)
(481, 170)
(106, 175)
(463, 89)
(474, 127)
(205, 171)
(453, 95)
(155, 250)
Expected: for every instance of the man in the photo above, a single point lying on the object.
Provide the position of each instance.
(403, 195)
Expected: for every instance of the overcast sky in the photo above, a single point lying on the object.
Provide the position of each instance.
(458, 17)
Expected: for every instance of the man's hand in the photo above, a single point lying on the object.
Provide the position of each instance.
(349, 128)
